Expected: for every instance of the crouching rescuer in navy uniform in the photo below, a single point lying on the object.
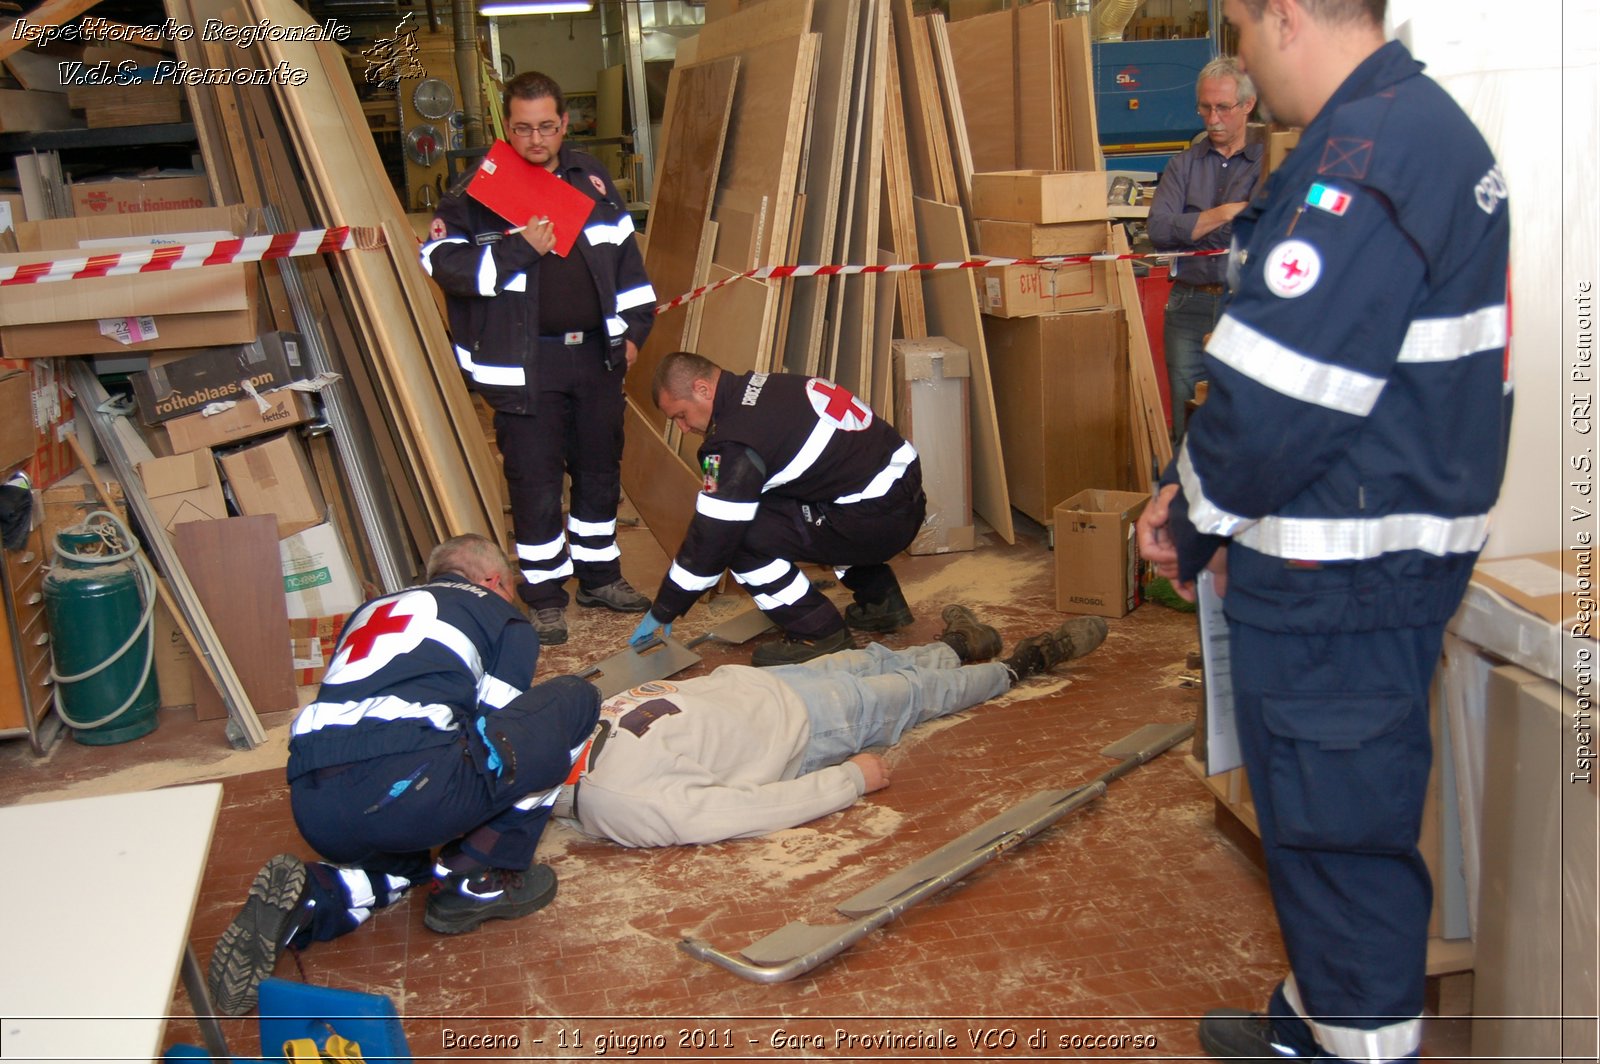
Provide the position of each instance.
(1337, 483)
(424, 734)
(546, 339)
(795, 469)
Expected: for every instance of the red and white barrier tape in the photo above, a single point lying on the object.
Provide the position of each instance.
(189, 256)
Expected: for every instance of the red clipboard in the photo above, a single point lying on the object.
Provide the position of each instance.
(518, 190)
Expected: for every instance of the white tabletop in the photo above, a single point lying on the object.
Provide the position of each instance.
(94, 919)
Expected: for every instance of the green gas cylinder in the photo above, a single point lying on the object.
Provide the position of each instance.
(97, 604)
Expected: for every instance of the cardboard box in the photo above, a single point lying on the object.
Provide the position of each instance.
(1061, 401)
(73, 499)
(312, 642)
(106, 315)
(1046, 196)
(51, 418)
(1545, 585)
(1097, 558)
(174, 660)
(1025, 240)
(11, 210)
(183, 382)
(183, 487)
(318, 579)
(16, 419)
(243, 420)
(275, 477)
(138, 195)
(1024, 291)
(932, 380)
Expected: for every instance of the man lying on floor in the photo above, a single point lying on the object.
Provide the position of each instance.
(746, 751)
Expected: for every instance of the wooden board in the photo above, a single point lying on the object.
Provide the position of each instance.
(732, 313)
(981, 56)
(898, 230)
(741, 228)
(955, 123)
(1082, 149)
(742, 26)
(919, 109)
(237, 576)
(952, 311)
(1152, 447)
(24, 112)
(699, 99)
(36, 71)
(660, 485)
(882, 395)
(1033, 60)
(49, 13)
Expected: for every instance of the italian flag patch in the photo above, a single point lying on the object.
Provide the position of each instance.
(1326, 198)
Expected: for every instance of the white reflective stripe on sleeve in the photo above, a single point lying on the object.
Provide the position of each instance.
(769, 572)
(809, 452)
(463, 357)
(319, 715)
(540, 552)
(493, 691)
(614, 233)
(1392, 1042)
(591, 528)
(1354, 539)
(616, 326)
(1447, 339)
(642, 296)
(428, 250)
(459, 644)
(1204, 514)
(519, 283)
(544, 576)
(535, 801)
(504, 376)
(788, 595)
(1291, 373)
(581, 553)
(690, 581)
(723, 510)
(899, 462)
(486, 271)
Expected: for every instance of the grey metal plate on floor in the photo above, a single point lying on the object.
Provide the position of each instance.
(740, 629)
(630, 668)
(1151, 737)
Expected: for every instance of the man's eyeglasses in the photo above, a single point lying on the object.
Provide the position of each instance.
(544, 129)
(1218, 109)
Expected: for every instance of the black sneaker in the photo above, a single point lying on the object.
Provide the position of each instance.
(460, 903)
(248, 950)
(792, 650)
(1234, 1034)
(1079, 636)
(617, 596)
(970, 638)
(893, 612)
(551, 624)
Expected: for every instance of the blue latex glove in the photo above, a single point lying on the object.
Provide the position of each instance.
(647, 628)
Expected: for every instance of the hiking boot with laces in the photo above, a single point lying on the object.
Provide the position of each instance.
(1234, 1034)
(617, 596)
(1033, 655)
(459, 903)
(893, 612)
(792, 650)
(1079, 636)
(276, 910)
(551, 624)
(970, 638)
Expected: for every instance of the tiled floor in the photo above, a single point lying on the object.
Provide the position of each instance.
(1125, 920)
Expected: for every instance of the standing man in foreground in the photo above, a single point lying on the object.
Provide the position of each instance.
(794, 469)
(1338, 482)
(1201, 191)
(424, 734)
(546, 339)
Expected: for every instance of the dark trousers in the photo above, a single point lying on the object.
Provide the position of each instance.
(1190, 315)
(1334, 733)
(856, 538)
(574, 430)
(383, 816)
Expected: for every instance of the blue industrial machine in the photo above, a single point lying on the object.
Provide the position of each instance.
(1144, 98)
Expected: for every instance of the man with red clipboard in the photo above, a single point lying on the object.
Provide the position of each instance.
(548, 305)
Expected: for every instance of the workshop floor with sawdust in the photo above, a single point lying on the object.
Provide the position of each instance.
(1124, 920)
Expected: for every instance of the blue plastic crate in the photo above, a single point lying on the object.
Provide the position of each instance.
(291, 1010)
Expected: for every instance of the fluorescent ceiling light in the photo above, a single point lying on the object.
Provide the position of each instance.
(537, 7)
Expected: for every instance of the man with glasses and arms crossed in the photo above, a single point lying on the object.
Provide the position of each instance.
(546, 339)
(1201, 190)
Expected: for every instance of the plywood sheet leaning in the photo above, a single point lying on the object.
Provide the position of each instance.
(660, 484)
(1082, 148)
(898, 229)
(1152, 448)
(981, 56)
(699, 98)
(918, 88)
(952, 309)
(1033, 60)
(955, 122)
(881, 397)
(349, 181)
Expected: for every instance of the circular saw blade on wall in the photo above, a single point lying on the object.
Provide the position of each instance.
(425, 145)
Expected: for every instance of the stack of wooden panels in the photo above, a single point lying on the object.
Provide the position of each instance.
(136, 103)
(32, 98)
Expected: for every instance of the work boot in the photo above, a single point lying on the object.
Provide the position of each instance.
(275, 911)
(617, 596)
(792, 649)
(1234, 1034)
(970, 638)
(1079, 636)
(461, 902)
(551, 624)
(885, 616)
(1035, 654)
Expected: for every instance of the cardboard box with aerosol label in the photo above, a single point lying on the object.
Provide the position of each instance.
(1097, 558)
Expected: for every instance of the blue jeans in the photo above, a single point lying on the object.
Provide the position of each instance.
(1191, 314)
(863, 698)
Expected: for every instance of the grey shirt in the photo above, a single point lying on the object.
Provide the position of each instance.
(1197, 179)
